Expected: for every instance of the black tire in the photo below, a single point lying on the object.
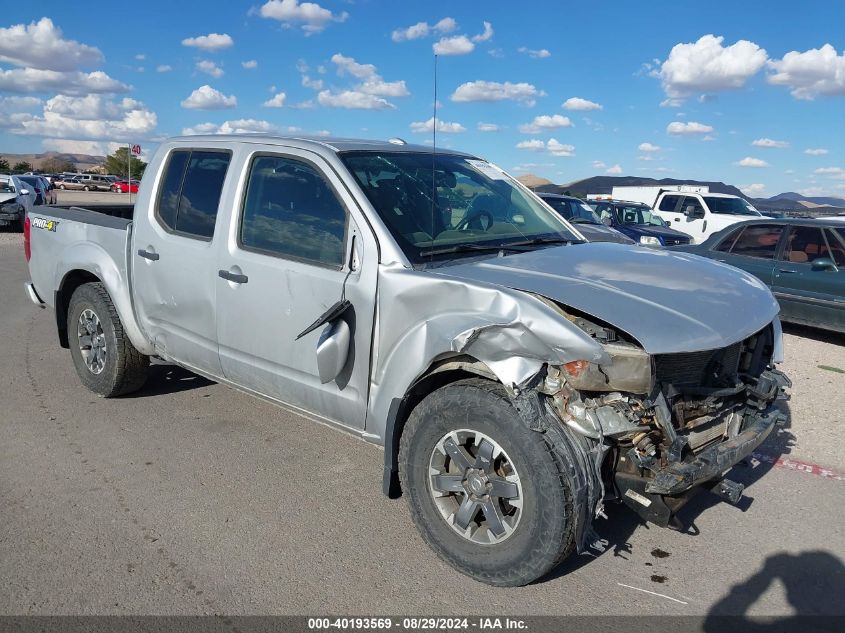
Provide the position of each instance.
(62, 187)
(124, 369)
(86, 188)
(545, 533)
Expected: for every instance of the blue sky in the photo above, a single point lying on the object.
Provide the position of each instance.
(750, 93)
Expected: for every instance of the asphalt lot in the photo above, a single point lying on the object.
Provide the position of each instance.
(191, 498)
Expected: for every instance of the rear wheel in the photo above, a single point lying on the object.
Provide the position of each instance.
(62, 187)
(489, 496)
(86, 188)
(104, 357)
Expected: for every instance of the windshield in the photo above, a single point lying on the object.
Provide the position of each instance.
(573, 210)
(730, 206)
(475, 206)
(637, 214)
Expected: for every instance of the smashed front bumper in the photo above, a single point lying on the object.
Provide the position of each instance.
(712, 462)
(657, 490)
(11, 213)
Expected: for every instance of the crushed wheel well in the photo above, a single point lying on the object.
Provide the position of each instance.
(437, 376)
(70, 283)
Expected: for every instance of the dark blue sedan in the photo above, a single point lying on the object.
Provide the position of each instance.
(636, 220)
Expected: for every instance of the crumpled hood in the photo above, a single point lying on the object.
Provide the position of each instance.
(669, 301)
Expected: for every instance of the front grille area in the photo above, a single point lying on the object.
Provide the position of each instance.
(676, 241)
(706, 368)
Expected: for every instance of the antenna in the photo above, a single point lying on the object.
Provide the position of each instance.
(434, 150)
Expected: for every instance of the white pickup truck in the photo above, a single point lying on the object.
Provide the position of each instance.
(695, 210)
(517, 376)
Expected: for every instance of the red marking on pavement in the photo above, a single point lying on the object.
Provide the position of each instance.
(797, 465)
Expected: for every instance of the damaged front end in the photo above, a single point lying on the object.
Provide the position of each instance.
(669, 424)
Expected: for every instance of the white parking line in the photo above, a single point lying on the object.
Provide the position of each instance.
(653, 593)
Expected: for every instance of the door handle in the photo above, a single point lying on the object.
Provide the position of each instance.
(787, 270)
(148, 255)
(233, 277)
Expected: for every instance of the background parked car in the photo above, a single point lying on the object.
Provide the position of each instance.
(71, 183)
(588, 223)
(802, 260)
(95, 182)
(637, 221)
(44, 192)
(122, 186)
(16, 200)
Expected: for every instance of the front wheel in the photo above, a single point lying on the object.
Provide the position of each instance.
(488, 495)
(104, 357)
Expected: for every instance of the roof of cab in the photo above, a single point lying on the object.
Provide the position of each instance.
(315, 143)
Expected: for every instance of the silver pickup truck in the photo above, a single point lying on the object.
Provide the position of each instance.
(517, 376)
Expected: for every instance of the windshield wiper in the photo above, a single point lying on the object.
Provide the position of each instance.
(583, 221)
(465, 248)
(545, 240)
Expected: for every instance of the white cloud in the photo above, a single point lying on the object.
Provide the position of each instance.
(679, 128)
(818, 151)
(671, 103)
(40, 45)
(494, 91)
(545, 122)
(534, 145)
(238, 126)
(833, 172)
(496, 53)
(371, 84)
(598, 164)
(818, 71)
(209, 68)
(277, 101)
(455, 45)
(708, 138)
(164, 68)
(488, 127)
(423, 29)
(485, 35)
(616, 169)
(749, 161)
(91, 117)
(577, 103)
(648, 147)
(249, 64)
(705, 66)
(353, 100)
(140, 57)
(210, 42)
(207, 98)
(534, 53)
(314, 84)
(442, 126)
(14, 104)
(553, 146)
(754, 190)
(646, 157)
(73, 83)
(311, 16)
(70, 146)
(560, 149)
(767, 142)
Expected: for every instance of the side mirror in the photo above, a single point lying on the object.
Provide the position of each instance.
(333, 350)
(24, 192)
(668, 222)
(823, 264)
(607, 222)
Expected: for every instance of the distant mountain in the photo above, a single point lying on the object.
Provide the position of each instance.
(82, 161)
(818, 200)
(788, 201)
(532, 181)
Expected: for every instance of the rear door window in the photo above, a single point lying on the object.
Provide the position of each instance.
(190, 192)
(691, 204)
(669, 203)
(759, 241)
(726, 244)
(836, 241)
(804, 245)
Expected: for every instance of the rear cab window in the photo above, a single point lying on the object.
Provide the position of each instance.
(805, 244)
(190, 192)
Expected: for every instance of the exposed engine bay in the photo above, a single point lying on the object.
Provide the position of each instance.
(671, 423)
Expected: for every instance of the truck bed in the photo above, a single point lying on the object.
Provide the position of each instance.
(116, 216)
